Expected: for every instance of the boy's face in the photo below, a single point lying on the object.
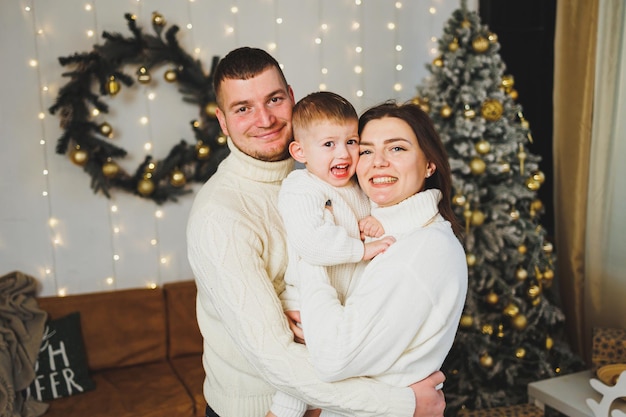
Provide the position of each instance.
(329, 150)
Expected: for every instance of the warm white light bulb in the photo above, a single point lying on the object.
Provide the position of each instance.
(147, 146)
(143, 120)
(158, 214)
(359, 93)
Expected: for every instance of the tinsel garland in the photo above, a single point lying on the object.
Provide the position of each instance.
(100, 73)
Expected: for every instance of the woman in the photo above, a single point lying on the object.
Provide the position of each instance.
(402, 311)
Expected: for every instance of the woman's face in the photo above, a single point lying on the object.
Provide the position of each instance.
(392, 166)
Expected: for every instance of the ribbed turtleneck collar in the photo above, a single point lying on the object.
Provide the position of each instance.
(414, 212)
(257, 170)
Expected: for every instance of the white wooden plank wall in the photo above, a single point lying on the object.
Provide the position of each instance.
(51, 224)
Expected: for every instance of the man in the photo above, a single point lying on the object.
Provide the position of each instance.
(237, 251)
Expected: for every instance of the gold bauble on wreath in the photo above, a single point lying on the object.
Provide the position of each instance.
(110, 169)
(106, 129)
(492, 298)
(113, 86)
(534, 291)
(519, 322)
(79, 156)
(487, 329)
(170, 75)
(520, 353)
(222, 139)
(438, 62)
(539, 176)
(143, 76)
(177, 178)
(486, 361)
(532, 184)
(202, 151)
(511, 310)
(491, 110)
(145, 186)
(466, 321)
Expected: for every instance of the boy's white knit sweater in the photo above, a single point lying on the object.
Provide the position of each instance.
(237, 251)
(322, 224)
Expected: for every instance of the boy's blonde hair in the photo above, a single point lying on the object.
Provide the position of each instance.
(322, 106)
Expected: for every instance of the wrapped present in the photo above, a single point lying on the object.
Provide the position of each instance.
(609, 347)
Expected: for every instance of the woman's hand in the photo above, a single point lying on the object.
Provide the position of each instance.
(293, 317)
(429, 398)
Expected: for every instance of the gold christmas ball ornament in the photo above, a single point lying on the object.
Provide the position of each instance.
(511, 310)
(493, 38)
(110, 169)
(454, 45)
(202, 151)
(79, 156)
(106, 129)
(113, 86)
(482, 147)
(487, 329)
(480, 44)
(521, 274)
(470, 258)
(548, 274)
(520, 353)
(210, 109)
(519, 322)
(477, 166)
(492, 298)
(466, 24)
(539, 176)
(507, 82)
(491, 110)
(177, 178)
(158, 19)
(466, 321)
(478, 218)
(522, 249)
(486, 361)
(532, 184)
(143, 76)
(170, 75)
(458, 200)
(500, 331)
(438, 62)
(505, 167)
(445, 111)
(195, 124)
(534, 291)
(549, 342)
(513, 94)
(536, 205)
(145, 186)
(222, 139)
(514, 214)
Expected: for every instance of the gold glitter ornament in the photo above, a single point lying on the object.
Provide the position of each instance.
(491, 110)
(106, 129)
(507, 82)
(466, 321)
(478, 218)
(534, 291)
(487, 329)
(513, 94)
(511, 310)
(519, 322)
(438, 62)
(520, 353)
(158, 19)
(454, 45)
(493, 38)
(548, 247)
(480, 44)
(492, 298)
(222, 139)
(521, 274)
(522, 249)
(202, 151)
(458, 200)
(514, 214)
(470, 258)
(466, 24)
(539, 176)
(210, 109)
(532, 184)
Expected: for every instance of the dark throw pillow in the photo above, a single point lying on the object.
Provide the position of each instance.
(61, 365)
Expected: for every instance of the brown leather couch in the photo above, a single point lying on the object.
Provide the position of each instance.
(144, 352)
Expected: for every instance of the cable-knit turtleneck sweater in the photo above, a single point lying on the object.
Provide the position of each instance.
(237, 250)
(400, 317)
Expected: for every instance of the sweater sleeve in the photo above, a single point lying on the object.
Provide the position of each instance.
(310, 225)
(226, 256)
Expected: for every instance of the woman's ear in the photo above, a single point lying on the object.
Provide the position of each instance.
(430, 169)
(297, 152)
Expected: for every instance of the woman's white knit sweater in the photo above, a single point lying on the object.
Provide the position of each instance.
(237, 251)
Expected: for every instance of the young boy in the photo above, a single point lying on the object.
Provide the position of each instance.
(325, 213)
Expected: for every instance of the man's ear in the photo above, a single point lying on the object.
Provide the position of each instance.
(222, 120)
(297, 152)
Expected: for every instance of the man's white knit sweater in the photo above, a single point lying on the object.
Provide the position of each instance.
(322, 224)
(237, 251)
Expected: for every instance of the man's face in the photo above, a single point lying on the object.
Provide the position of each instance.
(256, 114)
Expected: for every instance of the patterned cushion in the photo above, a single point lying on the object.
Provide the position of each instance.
(519, 410)
(609, 346)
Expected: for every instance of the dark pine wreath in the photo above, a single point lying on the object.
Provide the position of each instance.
(87, 142)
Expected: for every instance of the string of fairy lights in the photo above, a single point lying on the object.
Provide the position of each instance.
(118, 212)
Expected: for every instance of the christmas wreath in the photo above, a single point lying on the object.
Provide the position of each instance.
(99, 73)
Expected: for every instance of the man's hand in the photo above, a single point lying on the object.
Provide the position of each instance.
(293, 317)
(429, 398)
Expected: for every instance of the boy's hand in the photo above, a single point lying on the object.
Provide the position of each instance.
(378, 246)
(293, 317)
(370, 227)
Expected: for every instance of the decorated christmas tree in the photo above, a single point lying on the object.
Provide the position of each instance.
(510, 333)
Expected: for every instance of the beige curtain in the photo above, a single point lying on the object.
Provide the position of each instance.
(574, 69)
